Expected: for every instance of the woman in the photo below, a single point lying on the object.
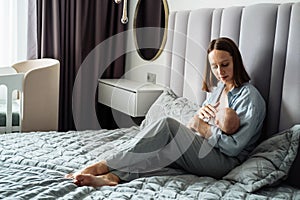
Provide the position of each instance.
(167, 144)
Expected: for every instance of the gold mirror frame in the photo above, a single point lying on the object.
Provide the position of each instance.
(164, 38)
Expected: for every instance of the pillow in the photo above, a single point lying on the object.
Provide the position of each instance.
(269, 162)
(168, 104)
(294, 175)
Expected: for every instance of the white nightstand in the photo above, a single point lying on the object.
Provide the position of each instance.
(127, 96)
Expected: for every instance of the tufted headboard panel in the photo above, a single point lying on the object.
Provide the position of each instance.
(268, 36)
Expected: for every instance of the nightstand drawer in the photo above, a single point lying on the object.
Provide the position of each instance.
(130, 97)
(117, 98)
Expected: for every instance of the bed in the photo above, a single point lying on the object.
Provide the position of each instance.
(33, 164)
(33, 167)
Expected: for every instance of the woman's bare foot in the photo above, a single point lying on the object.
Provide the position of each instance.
(96, 181)
(98, 168)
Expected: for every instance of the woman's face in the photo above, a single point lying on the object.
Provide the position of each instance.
(221, 64)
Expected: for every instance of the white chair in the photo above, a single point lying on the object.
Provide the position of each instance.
(41, 94)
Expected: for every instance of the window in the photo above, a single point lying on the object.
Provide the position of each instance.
(13, 34)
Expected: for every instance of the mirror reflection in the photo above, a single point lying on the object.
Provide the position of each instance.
(150, 23)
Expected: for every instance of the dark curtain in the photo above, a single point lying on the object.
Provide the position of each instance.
(69, 30)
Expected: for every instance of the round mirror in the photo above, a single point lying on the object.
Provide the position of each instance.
(150, 26)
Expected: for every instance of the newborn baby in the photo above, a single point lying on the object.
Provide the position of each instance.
(226, 119)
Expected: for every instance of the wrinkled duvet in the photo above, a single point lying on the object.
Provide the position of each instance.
(33, 165)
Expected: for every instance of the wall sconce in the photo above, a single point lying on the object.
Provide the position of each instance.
(124, 18)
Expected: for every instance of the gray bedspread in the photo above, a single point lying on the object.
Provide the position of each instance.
(33, 165)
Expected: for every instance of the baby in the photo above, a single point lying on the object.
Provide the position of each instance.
(226, 119)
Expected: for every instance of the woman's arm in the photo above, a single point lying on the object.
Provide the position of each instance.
(198, 125)
(250, 107)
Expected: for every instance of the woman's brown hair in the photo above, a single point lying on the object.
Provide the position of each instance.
(239, 72)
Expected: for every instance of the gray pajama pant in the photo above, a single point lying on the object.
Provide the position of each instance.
(168, 147)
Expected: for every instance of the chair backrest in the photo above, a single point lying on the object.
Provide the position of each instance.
(41, 94)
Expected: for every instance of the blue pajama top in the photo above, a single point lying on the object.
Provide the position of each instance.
(250, 107)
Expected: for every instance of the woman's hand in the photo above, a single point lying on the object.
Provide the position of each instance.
(194, 123)
(198, 125)
(208, 111)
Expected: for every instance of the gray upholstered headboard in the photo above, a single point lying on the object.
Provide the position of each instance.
(268, 36)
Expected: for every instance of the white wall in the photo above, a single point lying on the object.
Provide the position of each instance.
(136, 68)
